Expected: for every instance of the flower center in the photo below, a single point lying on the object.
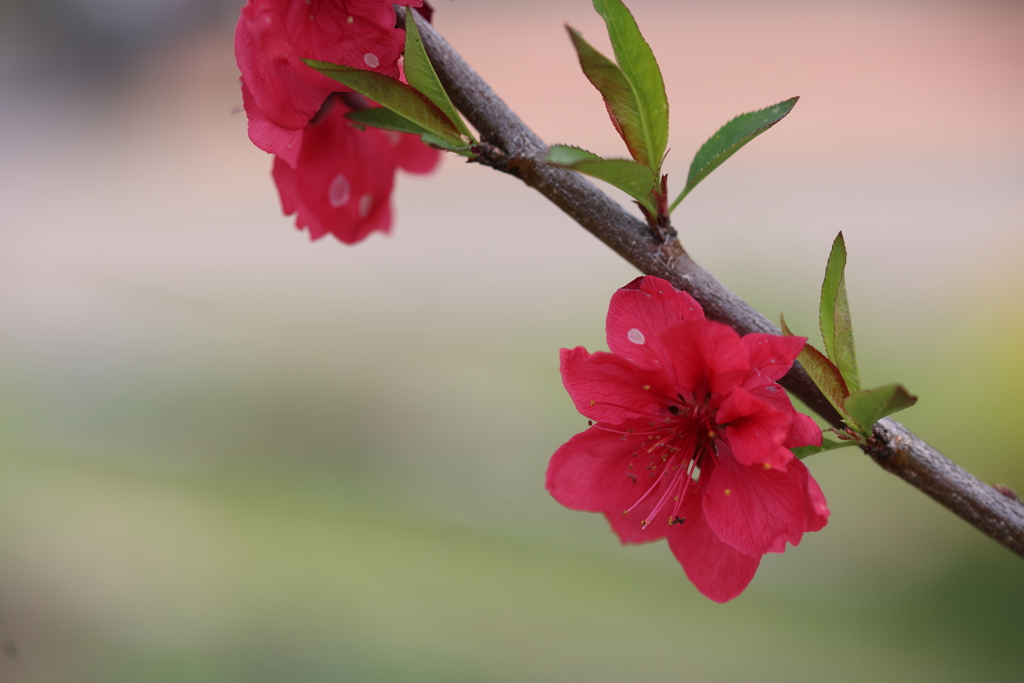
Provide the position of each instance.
(675, 447)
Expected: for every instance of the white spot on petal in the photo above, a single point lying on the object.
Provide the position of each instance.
(371, 60)
(365, 204)
(635, 336)
(339, 191)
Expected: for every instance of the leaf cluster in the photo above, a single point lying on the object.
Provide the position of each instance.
(835, 372)
(634, 94)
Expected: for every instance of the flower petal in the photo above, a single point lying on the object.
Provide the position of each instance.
(414, 156)
(342, 181)
(804, 431)
(267, 135)
(771, 356)
(756, 429)
(640, 311)
(266, 57)
(706, 356)
(753, 509)
(274, 36)
(592, 471)
(718, 570)
(356, 33)
(773, 394)
(609, 388)
(288, 190)
(815, 505)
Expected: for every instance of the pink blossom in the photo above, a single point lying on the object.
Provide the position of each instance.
(690, 438)
(342, 176)
(335, 177)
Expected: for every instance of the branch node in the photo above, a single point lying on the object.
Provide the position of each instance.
(1007, 491)
(661, 225)
(490, 155)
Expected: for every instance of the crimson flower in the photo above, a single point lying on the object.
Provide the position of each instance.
(337, 178)
(689, 439)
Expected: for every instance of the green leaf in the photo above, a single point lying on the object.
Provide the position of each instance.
(729, 139)
(823, 373)
(634, 179)
(619, 96)
(568, 156)
(637, 60)
(395, 95)
(826, 445)
(826, 376)
(382, 117)
(868, 407)
(435, 141)
(834, 316)
(421, 75)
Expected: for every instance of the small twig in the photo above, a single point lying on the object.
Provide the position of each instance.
(894, 447)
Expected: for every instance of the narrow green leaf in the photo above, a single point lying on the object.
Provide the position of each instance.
(637, 60)
(619, 96)
(395, 95)
(834, 316)
(729, 139)
(826, 376)
(823, 373)
(634, 179)
(421, 75)
(568, 155)
(870, 406)
(435, 141)
(382, 117)
(826, 445)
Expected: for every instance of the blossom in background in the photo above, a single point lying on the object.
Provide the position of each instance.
(293, 115)
(690, 438)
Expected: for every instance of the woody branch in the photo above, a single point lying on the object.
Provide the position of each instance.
(511, 147)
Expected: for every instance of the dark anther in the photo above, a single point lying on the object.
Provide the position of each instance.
(676, 520)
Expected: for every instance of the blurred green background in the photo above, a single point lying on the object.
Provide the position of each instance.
(227, 454)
